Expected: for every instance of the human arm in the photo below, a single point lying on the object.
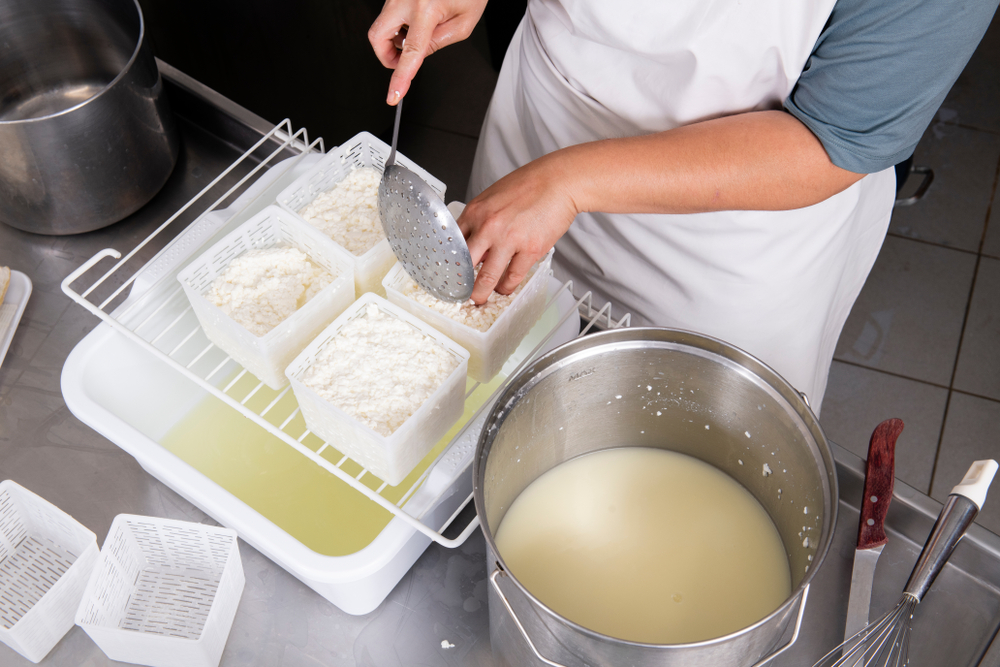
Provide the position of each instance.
(764, 160)
(430, 25)
(875, 79)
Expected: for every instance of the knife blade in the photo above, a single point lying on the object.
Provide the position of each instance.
(879, 476)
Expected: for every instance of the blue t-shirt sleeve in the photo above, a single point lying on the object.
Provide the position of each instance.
(880, 70)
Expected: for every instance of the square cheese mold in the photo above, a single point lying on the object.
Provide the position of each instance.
(488, 350)
(46, 558)
(267, 356)
(164, 593)
(391, 457)
(363, 150)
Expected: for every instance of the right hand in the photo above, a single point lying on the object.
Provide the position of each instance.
(515, 221)
(430, 25)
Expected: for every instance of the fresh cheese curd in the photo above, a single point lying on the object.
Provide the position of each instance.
(480, 318)
(379, 370)
(260, 289)
(348, 212)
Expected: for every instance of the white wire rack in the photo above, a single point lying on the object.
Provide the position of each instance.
(149, 307)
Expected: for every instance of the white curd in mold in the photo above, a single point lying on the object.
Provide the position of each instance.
(480, 318)
(260, 289)
(379, 370)
(348, 212)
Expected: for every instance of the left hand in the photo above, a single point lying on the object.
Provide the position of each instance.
(515, 221)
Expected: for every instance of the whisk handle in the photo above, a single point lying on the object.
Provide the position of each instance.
(957, 515)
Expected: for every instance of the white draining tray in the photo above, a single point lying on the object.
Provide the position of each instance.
(110, 383)
(157, 318)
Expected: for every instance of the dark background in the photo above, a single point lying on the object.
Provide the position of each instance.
(310, 61)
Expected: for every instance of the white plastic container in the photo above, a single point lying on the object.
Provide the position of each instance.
(109, 382)
(267, 356)
(46, 557)
(391, 457)
(488, 350)
(164, 592)
(363, 150)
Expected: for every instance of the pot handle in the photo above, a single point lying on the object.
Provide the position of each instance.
(510, 610)
(795, 633)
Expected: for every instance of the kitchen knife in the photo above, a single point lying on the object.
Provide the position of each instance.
(879, 475)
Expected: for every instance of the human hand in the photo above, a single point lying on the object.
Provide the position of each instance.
(429, 25)
(515, 221)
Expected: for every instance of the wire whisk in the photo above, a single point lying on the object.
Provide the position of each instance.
(886, 642)
(883, 642)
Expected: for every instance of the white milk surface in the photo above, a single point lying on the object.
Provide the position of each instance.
(646, 545)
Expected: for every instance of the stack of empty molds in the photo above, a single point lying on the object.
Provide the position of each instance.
(361, 151)
(46, 558)
(164, 593)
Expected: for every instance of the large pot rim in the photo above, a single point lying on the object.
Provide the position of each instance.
(121, 74)
(529, 376)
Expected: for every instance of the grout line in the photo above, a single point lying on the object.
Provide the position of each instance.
(933, 243)
(965, 323)
(981, 397)
(890, 373)
(937, 451)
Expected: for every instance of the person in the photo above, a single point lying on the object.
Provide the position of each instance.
(721, 166)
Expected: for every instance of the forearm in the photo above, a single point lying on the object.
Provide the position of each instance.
(764, 160)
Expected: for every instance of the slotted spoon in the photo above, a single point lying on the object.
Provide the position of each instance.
(422, 231)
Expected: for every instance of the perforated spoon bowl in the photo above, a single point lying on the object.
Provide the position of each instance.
(422, 231)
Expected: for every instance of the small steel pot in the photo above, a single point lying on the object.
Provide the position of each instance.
(86, 137)
(605, 390)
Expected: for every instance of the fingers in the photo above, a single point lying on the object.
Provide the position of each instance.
(382, 34)
(403, 56)
(479, 240)
(490, 245)
(494, 265)
(416, 46)
(518, 268)
(428, 26)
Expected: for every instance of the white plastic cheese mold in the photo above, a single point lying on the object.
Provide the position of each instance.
(164, 592)
(390, 457)
(46, 557)
(488, 350)
(267, 356)
(362, 150)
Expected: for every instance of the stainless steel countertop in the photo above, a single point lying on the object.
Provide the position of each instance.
(282, 622)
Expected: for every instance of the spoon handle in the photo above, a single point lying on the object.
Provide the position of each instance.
(395, 134)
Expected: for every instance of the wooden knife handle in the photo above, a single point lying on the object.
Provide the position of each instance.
(879, 476)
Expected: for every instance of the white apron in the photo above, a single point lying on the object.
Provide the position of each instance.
(778, 285)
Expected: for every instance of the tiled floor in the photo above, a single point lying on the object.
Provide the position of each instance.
(923, 340)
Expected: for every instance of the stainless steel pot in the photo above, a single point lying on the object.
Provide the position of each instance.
(86, 137)
(566, 404)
